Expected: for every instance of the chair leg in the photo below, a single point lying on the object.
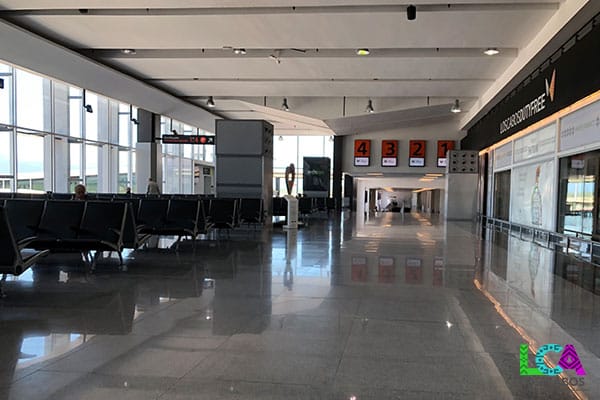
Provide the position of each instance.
(2, 293)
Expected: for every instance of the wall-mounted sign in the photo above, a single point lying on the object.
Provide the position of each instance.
(416, 153)
(536, 144)
(188, 139)
(389, 153)
(581, 127)
(503, 156)
(362, 153)
(443, 147)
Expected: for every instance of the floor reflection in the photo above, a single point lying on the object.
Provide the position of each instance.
(332, 310)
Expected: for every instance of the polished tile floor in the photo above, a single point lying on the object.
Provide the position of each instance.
(394, 307)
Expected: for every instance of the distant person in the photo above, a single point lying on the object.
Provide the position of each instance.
(128, 191)
(152, 187)
(80, 192)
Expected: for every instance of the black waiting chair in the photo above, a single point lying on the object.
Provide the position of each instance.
(251, 211)
(182, 218)
(279, 207)
(101, 228)
(24, 217)
(223, 213)
(13, 259)
(152, 215)
(59, 224)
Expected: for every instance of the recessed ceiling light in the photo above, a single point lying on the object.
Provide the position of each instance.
(128, 51)
(491, 51)
(362, 52)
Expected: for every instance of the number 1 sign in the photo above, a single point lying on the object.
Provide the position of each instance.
(362, 153)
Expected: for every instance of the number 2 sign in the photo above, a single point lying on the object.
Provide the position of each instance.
(416, 153)
(362, 153)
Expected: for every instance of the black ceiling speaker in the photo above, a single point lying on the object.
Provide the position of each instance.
(411, 12)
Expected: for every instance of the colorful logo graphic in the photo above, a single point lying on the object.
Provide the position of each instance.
(569, 360)
(550, 86)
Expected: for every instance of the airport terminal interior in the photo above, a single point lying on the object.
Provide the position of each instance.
(349, 199)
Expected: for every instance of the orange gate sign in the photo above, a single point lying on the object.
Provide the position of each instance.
(389, 153)
(443, 147)
(416, 153)
(362, 153)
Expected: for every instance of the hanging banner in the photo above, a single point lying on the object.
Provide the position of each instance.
(416, 153)
(389, 153)
(443, 147)
(362, 153)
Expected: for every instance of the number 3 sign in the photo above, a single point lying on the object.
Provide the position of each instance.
(389, 153)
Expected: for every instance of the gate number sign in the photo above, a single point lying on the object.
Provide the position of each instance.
(362, 153)
(416, 153)
(389, 153)
(443, 146)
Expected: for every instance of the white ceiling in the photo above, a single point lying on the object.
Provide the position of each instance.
(184, 47)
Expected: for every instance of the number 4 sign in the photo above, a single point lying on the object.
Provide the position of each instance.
(362, 153)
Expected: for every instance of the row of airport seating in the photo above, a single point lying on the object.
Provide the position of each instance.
(98, 196)
(30, 228)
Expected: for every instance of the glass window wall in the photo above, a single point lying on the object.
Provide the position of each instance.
(46, 130)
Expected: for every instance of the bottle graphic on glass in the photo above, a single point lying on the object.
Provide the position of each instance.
(536, 200)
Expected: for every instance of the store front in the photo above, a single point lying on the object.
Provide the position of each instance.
(543, 145)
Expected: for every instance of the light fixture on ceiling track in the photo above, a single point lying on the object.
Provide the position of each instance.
(456, 107)
(331, 138)
(239, 51)
(284, 105)
(128, 51)
(210, 102)
(411, 12)
(134, 120)
(370, 108)
(275, 56)
(280, 138)
(88, 107)
(362, 52)
(491, 51)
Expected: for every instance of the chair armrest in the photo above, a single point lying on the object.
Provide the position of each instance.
(23, 243)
